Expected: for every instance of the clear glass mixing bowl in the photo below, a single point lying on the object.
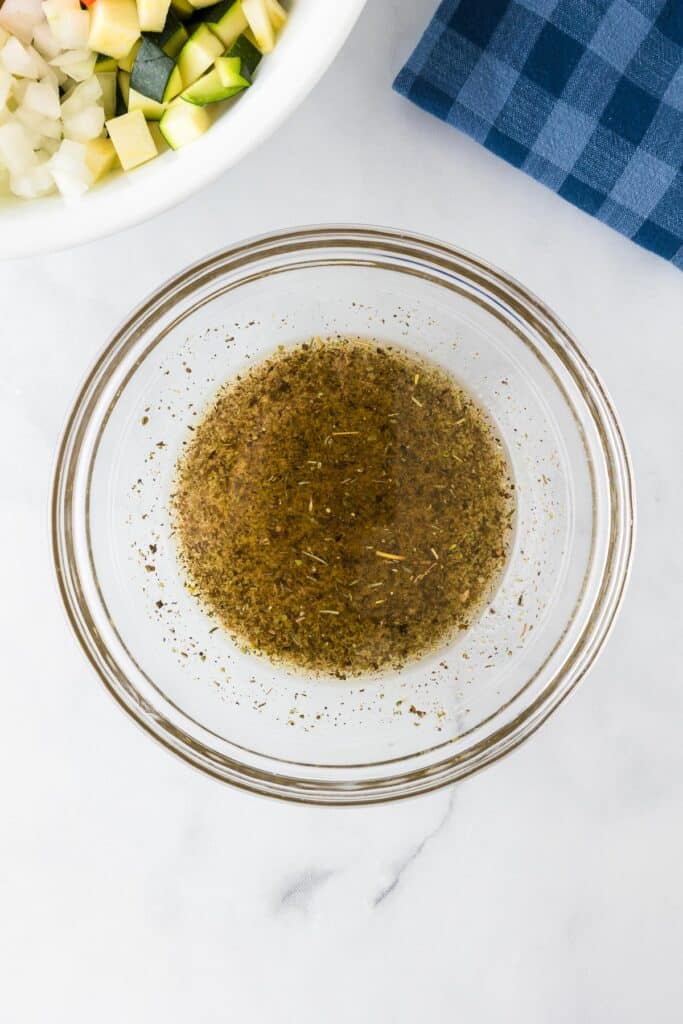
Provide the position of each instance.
(265, 727)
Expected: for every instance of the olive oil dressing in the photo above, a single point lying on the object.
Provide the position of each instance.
(344, 506)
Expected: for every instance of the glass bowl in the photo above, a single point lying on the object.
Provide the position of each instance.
(267, 728)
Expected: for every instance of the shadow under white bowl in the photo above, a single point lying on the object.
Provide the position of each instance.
(314, 34)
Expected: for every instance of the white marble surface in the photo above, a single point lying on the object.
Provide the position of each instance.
(547, 889)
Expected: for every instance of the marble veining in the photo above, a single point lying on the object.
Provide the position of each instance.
(404, 864)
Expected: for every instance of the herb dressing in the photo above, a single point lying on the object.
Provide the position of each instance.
(344, 507)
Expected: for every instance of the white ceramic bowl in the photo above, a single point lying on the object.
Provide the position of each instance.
(314, 34)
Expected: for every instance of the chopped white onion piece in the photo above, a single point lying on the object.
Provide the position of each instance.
(19, 59)
(71, 27)
(34, 183)
(44, 42)
(66, 57)
(30, 122)
(62, 5)
(42, 127)
(84, 69)
(19, 87)
(48, 148)
(5, 87)
(78, 64)
(70, 170)
(82, 96)
(84, 126)
(16, 152)
(43, 97)
(20, 17)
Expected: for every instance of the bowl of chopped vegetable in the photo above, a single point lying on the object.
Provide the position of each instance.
(112, 111)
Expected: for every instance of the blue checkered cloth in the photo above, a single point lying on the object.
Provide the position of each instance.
(586, 96)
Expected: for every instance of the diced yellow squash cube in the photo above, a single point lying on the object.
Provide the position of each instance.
(114, 27)
(159, 140)
(107, 80)
(131, 137)
(126, 63)
(260, 24)
(100, 157)
(151, 110)
(152, 14)
(276, 13)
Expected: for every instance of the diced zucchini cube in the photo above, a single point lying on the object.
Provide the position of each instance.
(183, 123)
(107, 80)
(173, 37)
(153, 71)
(227, 21)
(123, 82)
(230, 73)
(198, 54)
(183, 8)
(214, 87)
(126, 63)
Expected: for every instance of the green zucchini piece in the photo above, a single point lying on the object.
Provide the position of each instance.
(175, 85)
(230, 73)
(247, 53)
(152, 73)
(152, 110)
(173, 37)
(211, 88)
(107, 80)
(126, 63)
(123, 89)
(183, 123)
(198, 54)
(183, 8)
(104, 63)
(226, 20)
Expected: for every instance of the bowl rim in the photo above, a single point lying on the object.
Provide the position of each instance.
(41, 226)
(594, 631)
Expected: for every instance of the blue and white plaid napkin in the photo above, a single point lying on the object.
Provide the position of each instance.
(586, 96)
